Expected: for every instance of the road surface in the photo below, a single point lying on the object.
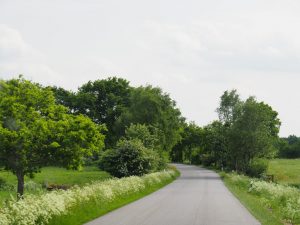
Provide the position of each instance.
(197, 197)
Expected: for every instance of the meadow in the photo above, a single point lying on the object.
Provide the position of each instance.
(285, 171)
(47, 177)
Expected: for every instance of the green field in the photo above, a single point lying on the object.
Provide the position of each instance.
(285, 171)
(54, 175)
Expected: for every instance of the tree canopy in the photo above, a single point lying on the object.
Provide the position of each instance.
(36, 132)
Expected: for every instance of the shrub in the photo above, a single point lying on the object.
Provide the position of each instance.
(257, 168)
(129, 158)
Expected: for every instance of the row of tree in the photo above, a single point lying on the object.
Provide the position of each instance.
(41, 126)
(246, 131)
(289, 147)
(129, 130)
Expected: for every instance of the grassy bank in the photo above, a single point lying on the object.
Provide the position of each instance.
(48, 176)
(285, 171)
(81, 204)
(271, 204)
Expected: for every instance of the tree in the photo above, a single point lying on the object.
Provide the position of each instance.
(146, 134)
(215, 145)
(230, 107)
(289, 147)
(104, 101)
(64, 97)
(37, 132)
(189, 145)
(253, 134)
(152, 107)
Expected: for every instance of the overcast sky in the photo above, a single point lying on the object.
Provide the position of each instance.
(193, 49)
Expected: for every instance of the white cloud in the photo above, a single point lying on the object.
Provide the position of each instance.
(18, 57)
(194, 50)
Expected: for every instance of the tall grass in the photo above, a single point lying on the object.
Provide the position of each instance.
(271, 203)
(41, 209)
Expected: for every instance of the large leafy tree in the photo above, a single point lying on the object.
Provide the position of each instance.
(253, 134)
(36, 132)
(150, 106)
(102, 100)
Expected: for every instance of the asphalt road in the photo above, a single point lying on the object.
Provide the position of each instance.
(197, 197)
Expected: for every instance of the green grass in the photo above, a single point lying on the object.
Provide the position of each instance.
(253, 203)
(55, 175)
(286, 171)
(92, 210)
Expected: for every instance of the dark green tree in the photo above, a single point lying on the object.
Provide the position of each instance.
(191, 141)
(102, 100)
(150, 106)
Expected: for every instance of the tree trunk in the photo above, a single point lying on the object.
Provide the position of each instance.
(20, 191)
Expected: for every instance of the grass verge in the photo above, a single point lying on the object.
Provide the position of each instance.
(270, 203)
(81, 204)
(83, 213)
(88, 211)
(252, 203)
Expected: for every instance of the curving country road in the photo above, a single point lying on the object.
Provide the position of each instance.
(197, 197)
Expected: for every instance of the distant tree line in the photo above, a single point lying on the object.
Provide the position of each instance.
(289, 147)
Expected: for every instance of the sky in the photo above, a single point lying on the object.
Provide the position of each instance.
(193, 49)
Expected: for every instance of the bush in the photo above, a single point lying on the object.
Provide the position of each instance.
(129, 158)
(257, 168)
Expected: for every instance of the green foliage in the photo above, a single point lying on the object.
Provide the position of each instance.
(130, 157)
(257, 168)
(35, 131)
(253, 134)
(215, 145)
(230, 107)
(117, 105)
(152, 107)
(289, 147)
(189, 146)
(246, 130)
(103, 101)
(148, 135)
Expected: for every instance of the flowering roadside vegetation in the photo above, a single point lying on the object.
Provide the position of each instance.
(40, 209)
(282, 200)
